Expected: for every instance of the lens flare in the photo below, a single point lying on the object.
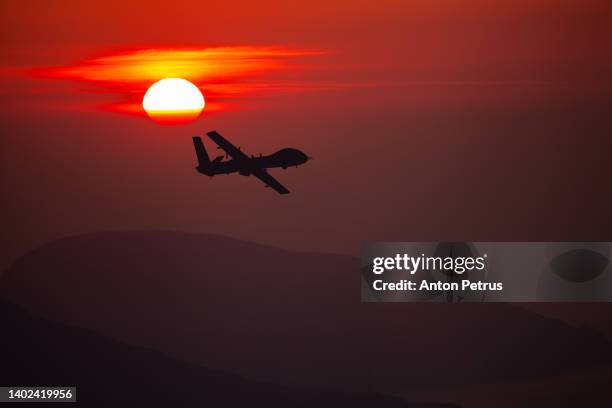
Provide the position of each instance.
(173, 101)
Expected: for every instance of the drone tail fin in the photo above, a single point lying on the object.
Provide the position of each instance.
(203, 159)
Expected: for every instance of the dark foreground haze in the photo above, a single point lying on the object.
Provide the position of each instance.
(292, 319)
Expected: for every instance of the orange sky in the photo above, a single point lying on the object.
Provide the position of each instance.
(394, 99)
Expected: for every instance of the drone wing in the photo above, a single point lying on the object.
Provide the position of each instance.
(270, 181)
(229, 148)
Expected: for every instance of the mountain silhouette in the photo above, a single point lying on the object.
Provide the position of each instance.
(109, 373)
(292, 318)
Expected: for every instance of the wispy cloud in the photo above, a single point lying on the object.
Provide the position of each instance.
(222, 73)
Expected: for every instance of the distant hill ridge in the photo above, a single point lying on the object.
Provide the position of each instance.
(288, 317)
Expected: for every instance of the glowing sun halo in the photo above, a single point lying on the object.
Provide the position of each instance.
(173, 101)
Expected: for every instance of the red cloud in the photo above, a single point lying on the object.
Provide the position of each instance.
(222, 73)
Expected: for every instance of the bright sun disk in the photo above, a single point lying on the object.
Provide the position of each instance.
(173, 101)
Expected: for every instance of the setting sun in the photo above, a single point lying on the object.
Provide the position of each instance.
(173, 101)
